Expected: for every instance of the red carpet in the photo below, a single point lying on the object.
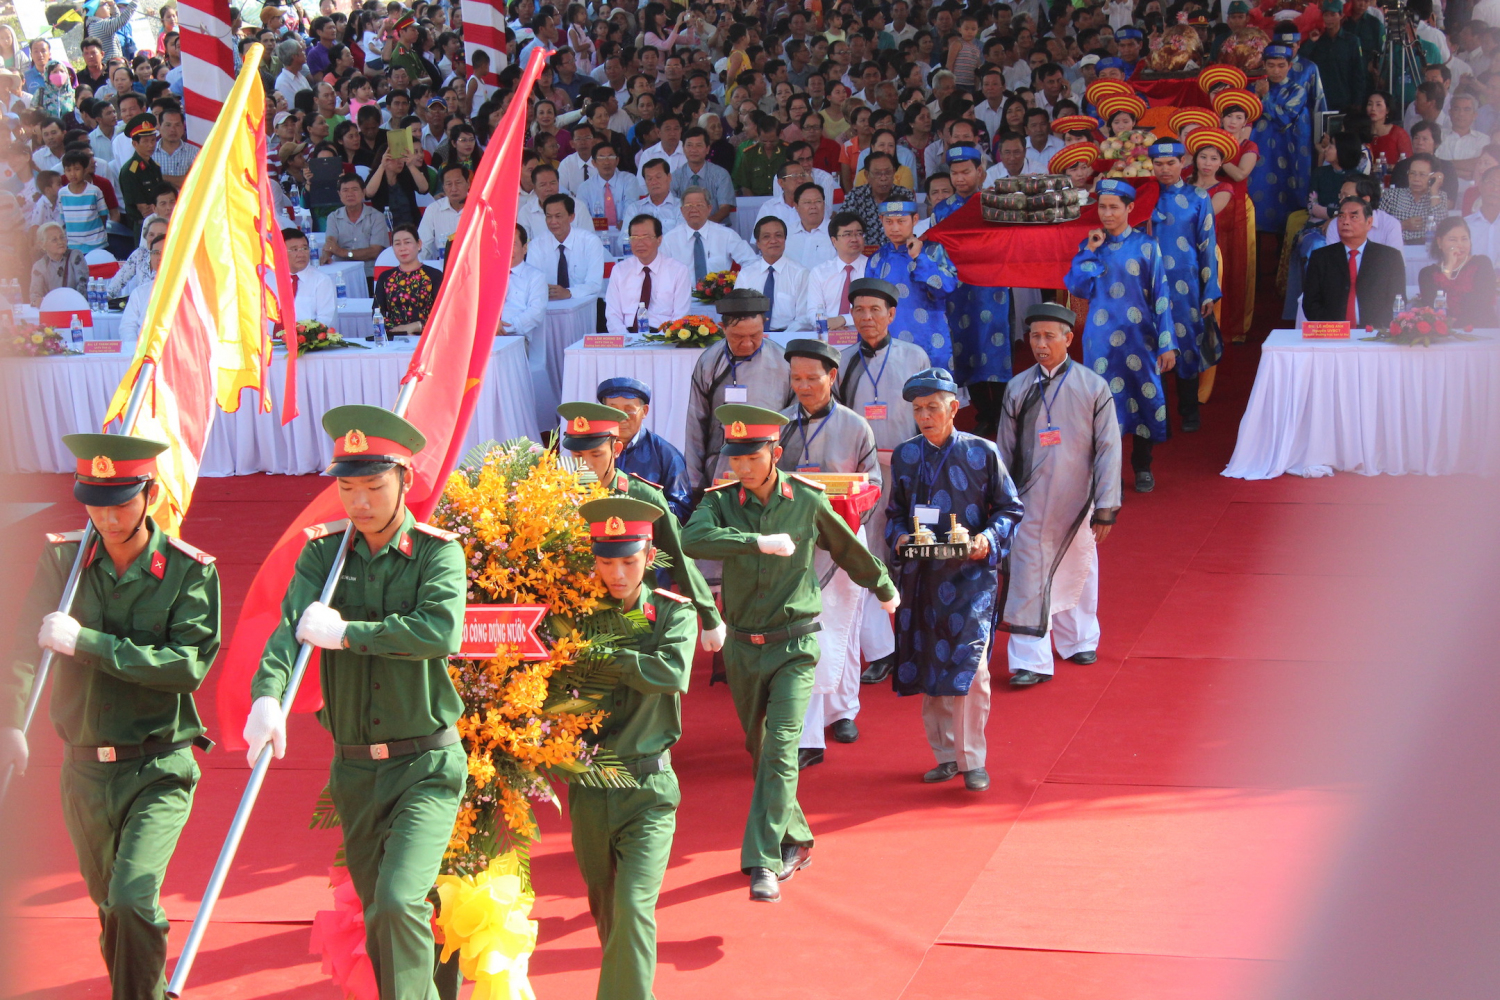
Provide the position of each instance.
(1157, 824)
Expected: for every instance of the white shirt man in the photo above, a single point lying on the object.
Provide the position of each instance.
(720, 244)
(671, 284)
(135, 309)
(826, 284)
(1385, 229)
(668, 211)
(1037, 159)
(809, 247)
(581, 251)
(676, 159)
(315, 297)
(572, 172)
(533, 218)
(525, 300)
(623, 186)
(778, 277)
(290, 83)
(439, 223)
(1484, 233)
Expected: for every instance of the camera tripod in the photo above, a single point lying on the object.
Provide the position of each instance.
(1401, 56)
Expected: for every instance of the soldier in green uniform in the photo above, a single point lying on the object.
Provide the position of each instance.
(622, 837)
(399, 770)
(404, 52)
(143, 631)
(140, 177)
(765, 527)
(591, 432)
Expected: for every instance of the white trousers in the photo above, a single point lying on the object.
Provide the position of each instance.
(955, 723)
(877, 639)
(842, 702)
(1075, 630)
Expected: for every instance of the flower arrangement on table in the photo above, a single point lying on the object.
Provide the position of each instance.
(714, 286)
(690, 331)
(1420, 325)
(314, 336)
(37, 342)
(515, 510)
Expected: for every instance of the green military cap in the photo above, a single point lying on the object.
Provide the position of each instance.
(586, 425)
(748, 428)
(620, 526)
(1050, 311)
(817, 349)
(743, 302)
(111, 468)
(141, 125)
(877, 287)
(1239, 7)
(368, 440)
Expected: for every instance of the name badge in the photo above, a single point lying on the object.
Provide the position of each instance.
(736, 394)
(1047, 437)
(809, 468)
(925, 515)
(875, 411)
(843, 337)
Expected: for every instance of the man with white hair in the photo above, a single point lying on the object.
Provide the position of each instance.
(291, 81)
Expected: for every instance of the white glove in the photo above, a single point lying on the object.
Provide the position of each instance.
(59, 633)
(13, 750)
(712, 639)
(776, 545)
(322, 626)
(265, 725)
(890, 606)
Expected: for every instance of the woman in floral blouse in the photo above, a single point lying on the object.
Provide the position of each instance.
(404, 294)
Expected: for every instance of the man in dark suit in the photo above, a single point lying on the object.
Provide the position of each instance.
(1379, 273)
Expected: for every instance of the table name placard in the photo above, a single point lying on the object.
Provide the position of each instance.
(842, 338)
(604, 340)
(101, 347)
(492, 629)
(1325, 330)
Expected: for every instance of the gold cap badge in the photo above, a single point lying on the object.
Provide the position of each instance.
(580, 424)
(103, 468)
(614, 526)
(355, 441)
(738, 430)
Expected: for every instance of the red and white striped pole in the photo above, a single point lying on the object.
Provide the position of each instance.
(207, 63)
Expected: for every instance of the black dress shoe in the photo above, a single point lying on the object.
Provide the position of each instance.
(844, 730)
(943, 772)
(1087, 656)
(878, 670)
(1145, 482)
(977, 780)
(763, 886)
(1191, 424)
(808, 756)
(1028, 678)
(794, 857)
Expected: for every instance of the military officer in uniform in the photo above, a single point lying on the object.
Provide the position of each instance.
(871, 374)
(622, 837)
(399, 770)
(140, 176)
(738, 369)
(141, 635)
(824, 436)
(765, 527)
(647, 454)
(591, 431)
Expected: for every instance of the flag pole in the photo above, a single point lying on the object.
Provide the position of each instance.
(70, 589)
(263, 762)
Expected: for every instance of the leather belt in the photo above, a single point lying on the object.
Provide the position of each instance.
(776, 635)
(109, 755)
(647, 766)
(397, 748)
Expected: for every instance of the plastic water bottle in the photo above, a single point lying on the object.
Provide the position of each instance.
(341, 288)
(75, 332)
(1440, 302)
(390, 220)
(820, 324)
(1398, 304)
(379, 323)
(642, 321)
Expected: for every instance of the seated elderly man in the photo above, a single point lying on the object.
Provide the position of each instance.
(647, 278)
(941, 480)
(135, 306)
(316, 298)
(1061, 442)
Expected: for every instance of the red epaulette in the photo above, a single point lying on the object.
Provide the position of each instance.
(191, 551)
(62, 537)
(711, 489)
(808, 482)
(324, 530)
(636, 475)
(672, 597)
(427, 529)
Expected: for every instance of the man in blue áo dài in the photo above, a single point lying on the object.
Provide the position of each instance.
(938, 478)
(1129, 40)
(1304, 71)
(924, 277)
(1128, 337)
(1183, 224)
(647, 455)
(978, 315)
(1278, 184)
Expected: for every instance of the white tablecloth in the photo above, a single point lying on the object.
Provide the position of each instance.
(1352, 406)
(45, 398)
(568, 321)
(355, 282)
(746, 213)
(667, 370)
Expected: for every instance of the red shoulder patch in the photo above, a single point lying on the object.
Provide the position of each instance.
(404, 546)
(808, 482)
(671, 596)
(63, 537)
(650, 610)
(324, 530)
(721, 486)
(427, 529)
(786, 489)
(158, 565)
(636, 475)
(191, 551)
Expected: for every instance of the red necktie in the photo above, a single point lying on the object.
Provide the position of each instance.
(611, 214)
(646, 287)
(1353, 307)
(295, 282)
(844, 296)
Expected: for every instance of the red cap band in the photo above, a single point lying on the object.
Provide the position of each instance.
(581, 426)
(741, 431)
(357, 444)
(616, 530)
(104, 467)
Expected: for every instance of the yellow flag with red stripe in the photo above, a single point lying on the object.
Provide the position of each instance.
(207, 329)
